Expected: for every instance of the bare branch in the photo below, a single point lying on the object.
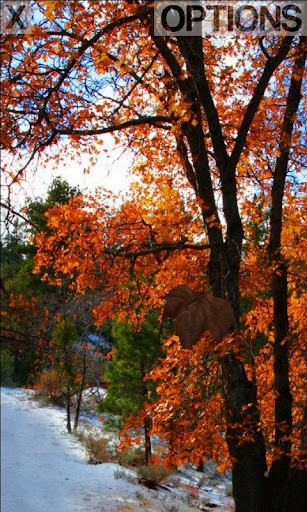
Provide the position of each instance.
(151, 120)
(18, 214)
(164, 247)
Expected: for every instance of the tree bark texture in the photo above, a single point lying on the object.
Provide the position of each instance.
(286, 486)
(253, 491)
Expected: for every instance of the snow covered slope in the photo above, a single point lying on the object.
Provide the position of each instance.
(44, 468)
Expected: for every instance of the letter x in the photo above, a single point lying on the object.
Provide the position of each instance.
(16, 16)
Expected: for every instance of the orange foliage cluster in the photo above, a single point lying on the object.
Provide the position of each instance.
(109, 240)
(188, 413)
(51, 383)
(113, 241)
(258, 320)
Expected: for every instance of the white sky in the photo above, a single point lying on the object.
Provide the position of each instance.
(110, 172)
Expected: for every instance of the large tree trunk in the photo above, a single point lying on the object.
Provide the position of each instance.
(249, 482)
(249, 459)
(249, 468)
(296, 495)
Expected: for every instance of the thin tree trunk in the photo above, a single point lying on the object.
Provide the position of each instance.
(201, 466)
(280, 471)
(148, 451)
(68, 417)
(79, 400)
(147, 421)
(78, 406)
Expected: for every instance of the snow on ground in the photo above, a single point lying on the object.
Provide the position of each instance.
(44, 469)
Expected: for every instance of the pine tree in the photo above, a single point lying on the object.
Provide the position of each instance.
(22, 291)
(65, 335)
(135, 354)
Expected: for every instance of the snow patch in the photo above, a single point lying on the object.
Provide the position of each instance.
(44, 468)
